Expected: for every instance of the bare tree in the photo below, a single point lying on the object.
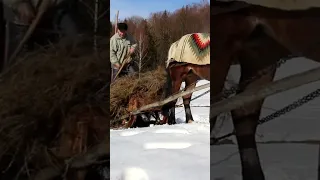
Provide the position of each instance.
(142, 50)
(156, 33)
(96, 11)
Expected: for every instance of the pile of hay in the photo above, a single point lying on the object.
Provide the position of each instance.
(38, 97)
(150, 84)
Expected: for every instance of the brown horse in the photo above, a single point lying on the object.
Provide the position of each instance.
(176, 74)
(189, 61)
(257, 37)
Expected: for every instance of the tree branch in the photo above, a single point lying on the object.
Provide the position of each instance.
(42, 9)
(102, 14)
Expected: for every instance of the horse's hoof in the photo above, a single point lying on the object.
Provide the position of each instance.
(190, 121)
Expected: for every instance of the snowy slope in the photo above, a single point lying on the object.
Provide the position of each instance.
(182, 151)
(176, 152)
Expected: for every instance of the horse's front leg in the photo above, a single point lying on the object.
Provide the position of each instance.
(176, 84)
(245, 122)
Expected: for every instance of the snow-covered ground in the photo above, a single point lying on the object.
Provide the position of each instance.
(182, 151)
(280, 161)
(175, 152)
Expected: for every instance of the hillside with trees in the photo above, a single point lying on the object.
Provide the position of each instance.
(156, 33)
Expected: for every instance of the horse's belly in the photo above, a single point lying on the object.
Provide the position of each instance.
(299, 35)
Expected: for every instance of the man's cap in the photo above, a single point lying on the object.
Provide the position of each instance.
(122, 26)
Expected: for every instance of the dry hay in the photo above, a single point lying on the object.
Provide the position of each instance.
(150, 84)
(40, 95)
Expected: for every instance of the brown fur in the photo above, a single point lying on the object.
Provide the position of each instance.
(176, 74)
(258, 37)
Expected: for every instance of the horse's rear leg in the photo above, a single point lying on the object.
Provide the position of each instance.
(174, 80)
(176, 84)
(190, 83)
(245, 122)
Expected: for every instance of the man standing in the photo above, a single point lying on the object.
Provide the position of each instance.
(122, 46)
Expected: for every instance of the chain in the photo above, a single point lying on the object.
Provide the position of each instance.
(305, 99)
(227, 92)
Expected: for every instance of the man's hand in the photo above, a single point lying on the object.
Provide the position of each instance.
(117, 66)
(26, 12)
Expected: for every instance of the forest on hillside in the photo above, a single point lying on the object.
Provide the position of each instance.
(156, 33)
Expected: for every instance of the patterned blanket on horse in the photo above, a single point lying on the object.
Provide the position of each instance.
(191, 48)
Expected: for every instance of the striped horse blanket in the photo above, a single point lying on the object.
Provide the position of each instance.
(191, 48)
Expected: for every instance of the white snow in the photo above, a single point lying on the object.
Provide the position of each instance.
(171, 152)
(182, 151)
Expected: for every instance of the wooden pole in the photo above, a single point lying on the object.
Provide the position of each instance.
(264, 91)
(165, 101)
(115, 25)
(115, 31)
(42, 9)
